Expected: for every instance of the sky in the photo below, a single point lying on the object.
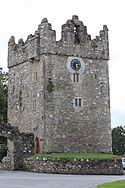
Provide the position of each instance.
(22, 17)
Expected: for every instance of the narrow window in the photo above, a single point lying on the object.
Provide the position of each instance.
(79, 102)
(35, 76)
(77, 39)
(76, 102)
(75, 77)
(34, 104)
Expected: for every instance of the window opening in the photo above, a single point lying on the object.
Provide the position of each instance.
(78, 102)
(35, 76)
(34, 104)
(76, 77)
(77, 40)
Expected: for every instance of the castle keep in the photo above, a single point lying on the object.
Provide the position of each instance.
(59, 90)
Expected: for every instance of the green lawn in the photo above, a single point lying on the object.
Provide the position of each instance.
(76, 155)
(117, 184)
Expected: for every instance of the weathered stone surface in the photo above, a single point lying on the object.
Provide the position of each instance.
(75, 166)
(19, 145)
(42, 91)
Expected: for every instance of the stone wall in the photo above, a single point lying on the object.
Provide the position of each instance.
(18, 146)
(75, 166)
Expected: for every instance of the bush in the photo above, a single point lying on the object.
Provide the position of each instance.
(3, 151)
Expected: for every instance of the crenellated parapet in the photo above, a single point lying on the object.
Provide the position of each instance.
(74, 41)
(74, 32)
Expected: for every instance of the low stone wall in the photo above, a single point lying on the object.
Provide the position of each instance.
(74, 166)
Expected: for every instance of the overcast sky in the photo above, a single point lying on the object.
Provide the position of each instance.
(22, 17)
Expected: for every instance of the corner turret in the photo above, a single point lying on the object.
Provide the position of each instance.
(47, 37)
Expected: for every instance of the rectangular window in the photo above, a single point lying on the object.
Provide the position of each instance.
(73, 77)
(34, 103)
(76, 77)
(35, 76)
(78, 102)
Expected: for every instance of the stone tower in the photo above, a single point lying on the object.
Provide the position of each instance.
(59, 90)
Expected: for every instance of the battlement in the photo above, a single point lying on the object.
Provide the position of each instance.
(74, 41)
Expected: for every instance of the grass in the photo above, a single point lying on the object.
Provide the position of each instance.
(116, 184)
(76, 155)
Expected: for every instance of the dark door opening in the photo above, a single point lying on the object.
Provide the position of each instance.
(37, 145)
(3, 147)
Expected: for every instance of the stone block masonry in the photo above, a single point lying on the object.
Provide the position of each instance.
(75, 166)
(59, 90)
(19, 145)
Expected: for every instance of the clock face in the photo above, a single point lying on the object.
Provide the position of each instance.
(75, 64)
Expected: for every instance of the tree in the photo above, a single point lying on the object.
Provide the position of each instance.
(3, 95)
(118, 140)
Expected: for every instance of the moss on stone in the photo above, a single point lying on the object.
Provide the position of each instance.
(50, 86)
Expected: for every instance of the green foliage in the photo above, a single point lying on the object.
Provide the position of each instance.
(3, 151)
(50, 86)
(3, 95)
(116, 184)
(76, 155)
(118, 140)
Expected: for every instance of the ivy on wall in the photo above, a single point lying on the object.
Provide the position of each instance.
(50, 86)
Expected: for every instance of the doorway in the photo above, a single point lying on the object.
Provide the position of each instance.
(37, 145)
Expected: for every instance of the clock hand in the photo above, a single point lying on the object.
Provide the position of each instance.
(77, 66)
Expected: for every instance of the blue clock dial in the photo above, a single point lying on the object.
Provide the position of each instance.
(75, 64)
